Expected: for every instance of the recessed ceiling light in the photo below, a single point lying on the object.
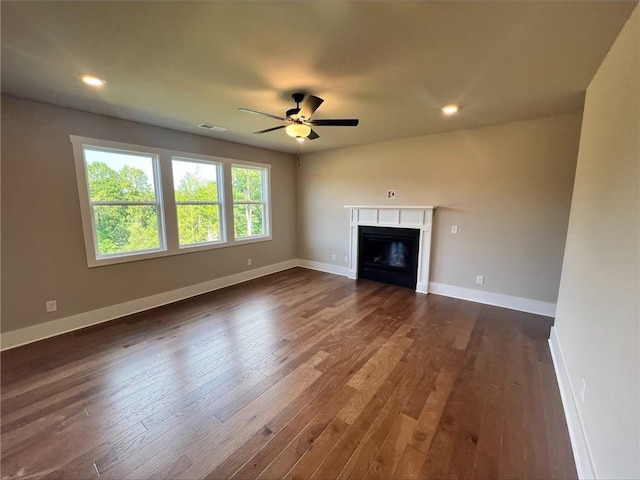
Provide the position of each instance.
(93, 81)
(449, 109)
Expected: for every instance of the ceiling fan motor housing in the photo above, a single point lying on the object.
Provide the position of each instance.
(297, 97)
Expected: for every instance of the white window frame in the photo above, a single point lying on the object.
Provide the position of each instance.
(165, 195)
(219, 203)
(162, 239)
(266, 200)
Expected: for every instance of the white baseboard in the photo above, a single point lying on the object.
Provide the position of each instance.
(489, 298)
(579, 445)
(32, 334)
(324, 267)
(498, 299)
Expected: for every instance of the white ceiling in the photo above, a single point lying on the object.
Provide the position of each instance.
(392, 64)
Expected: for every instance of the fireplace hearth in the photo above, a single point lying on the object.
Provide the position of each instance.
(389, 255)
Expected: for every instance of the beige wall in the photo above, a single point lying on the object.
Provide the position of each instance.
(598, 316)
(43, 254)
(507, 187)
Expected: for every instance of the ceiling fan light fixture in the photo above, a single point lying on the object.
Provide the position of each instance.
(300, 139)
(297, 130)
(93, 81)
(450, 109)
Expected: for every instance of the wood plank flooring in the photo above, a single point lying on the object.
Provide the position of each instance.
(298, 375)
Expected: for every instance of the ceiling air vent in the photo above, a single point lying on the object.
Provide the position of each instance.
(210, 126)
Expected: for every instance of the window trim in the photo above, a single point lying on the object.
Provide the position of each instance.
(220, 203)
(158, 204)
(266, 200)
(166, 196)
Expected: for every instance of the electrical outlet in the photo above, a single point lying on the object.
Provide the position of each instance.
(248, 261)
(583, 390)
(333, 256)
(454, 228)
(51, 306)
(346, 259)
(479, 279)
(391, 194)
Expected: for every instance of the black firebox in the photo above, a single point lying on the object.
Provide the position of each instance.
(389, 255)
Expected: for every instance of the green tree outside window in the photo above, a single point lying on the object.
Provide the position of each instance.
(247, 184)
(197, 205)
(122, 227)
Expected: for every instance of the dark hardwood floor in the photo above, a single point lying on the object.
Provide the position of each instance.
(296, 375)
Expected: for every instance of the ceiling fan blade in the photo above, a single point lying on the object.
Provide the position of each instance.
(271, 129)
(260, 113)
(344, 122)
(310, 105)
(313, 135)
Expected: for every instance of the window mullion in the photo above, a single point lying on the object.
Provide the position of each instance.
(170, 207)
(160, 204)
(228, 201)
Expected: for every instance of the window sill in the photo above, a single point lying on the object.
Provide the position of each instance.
(101, 262)
(240, 241)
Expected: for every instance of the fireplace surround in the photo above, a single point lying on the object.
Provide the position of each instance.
(416, 218)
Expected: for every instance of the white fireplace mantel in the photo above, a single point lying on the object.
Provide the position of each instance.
(400, 217)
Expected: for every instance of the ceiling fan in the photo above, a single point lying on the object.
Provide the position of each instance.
(298, 122)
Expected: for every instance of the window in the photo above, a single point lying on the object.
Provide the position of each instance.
(198, 207)
(123, 198)
(142, 202)
(249, 188)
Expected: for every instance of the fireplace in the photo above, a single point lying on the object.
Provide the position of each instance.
(396, 221)
(389, 255)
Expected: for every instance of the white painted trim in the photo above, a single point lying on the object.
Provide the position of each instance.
(515, 303)
(579, 445)
(166, 202)
(497, 299)
(395, 217)
(324, 267)
(53, 328)
(403, 207)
